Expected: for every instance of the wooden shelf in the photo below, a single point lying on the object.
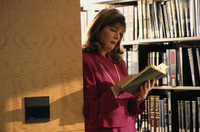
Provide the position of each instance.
(105, 1)
(176, 88)
(164, 40)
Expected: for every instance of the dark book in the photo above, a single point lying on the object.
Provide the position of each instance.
(151, 113)
(187, 116)
(178, 17)
(186, 74)
(156, 113)
(196, 66)
(179, 116)
(198, 60)
(182, 115)
(198, 109)
(166, 114)
(169, 111)
(136, 22)
(146, 117)
(162, 116)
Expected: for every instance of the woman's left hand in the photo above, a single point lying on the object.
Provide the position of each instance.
(144, 90)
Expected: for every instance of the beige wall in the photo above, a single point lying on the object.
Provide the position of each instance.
(40, 55)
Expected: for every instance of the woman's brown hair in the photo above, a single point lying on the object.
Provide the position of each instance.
(106, 17)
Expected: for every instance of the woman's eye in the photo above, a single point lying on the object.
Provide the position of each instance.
(113, 30)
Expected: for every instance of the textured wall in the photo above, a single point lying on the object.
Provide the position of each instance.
(40, 55)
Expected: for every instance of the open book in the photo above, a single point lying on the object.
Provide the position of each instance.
(150, 72)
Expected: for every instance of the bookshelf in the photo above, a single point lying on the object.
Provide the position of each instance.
(162, 41)
(175, 40)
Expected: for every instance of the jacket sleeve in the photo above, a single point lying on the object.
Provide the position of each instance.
(134, 107)
(95, 105)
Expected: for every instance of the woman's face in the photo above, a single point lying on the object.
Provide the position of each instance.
(110, 35)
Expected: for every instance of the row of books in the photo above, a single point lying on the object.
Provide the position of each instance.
(184, 64)
(127, 11)
(155, 19)
(168, 18)
(162, 116)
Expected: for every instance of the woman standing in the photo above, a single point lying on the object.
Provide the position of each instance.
(106, 107)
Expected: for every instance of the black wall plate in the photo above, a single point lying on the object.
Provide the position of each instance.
(37, 109)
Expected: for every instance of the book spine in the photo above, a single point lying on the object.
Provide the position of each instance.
(192, 18)
(169, 111)
(152, 19)
(164, 79)
(187, 17)
(155, 9)
(182, 18)
(179, 116)
(180, 63)
(160, 21)
(194, 116)
(146, 117)
(198, 108)
(141, 33)
(135, 59)
(174, 17)
(129, 60)
(165, 16)
(168, 63)
(151, 113)
(178, 17)
(126, 15)
(131, 23)
(191, 62)
(166, 114)
(173, 66)
(136, 22)
(156, 113)
(144, 16)
(170, 16)
(187, 116)
(183, 116)
(198, 60)
(149, 30)
(163, 116)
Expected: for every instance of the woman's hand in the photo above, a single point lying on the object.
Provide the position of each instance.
(144, 90)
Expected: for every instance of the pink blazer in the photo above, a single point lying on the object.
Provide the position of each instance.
(101, 108)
